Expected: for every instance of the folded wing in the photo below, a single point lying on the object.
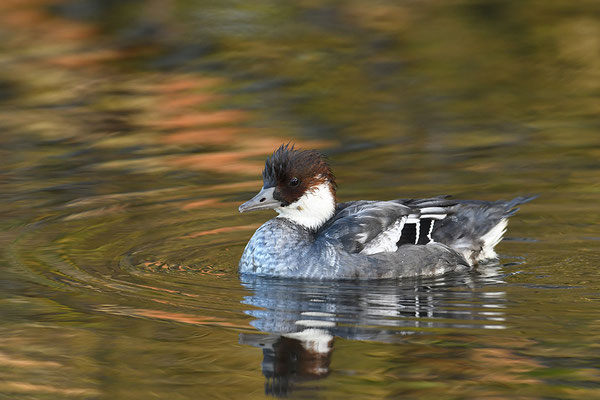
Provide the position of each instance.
(371, 227)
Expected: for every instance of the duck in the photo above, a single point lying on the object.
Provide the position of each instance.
(315, 237)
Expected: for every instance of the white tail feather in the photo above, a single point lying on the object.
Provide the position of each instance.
(491, 239)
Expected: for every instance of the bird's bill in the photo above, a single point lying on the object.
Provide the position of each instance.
(264, 200)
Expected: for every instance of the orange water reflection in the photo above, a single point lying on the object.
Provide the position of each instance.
(174, 112)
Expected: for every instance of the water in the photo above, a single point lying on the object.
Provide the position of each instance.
(131, 131)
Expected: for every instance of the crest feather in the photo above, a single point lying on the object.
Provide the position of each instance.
(287, 161)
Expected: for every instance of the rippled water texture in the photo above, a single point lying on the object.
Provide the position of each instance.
(130, 132)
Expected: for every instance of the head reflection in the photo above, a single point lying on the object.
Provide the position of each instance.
(292, 357)
(302, 318)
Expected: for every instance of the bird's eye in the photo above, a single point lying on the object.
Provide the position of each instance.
(294, 182)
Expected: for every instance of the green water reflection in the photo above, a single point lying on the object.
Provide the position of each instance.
(131, 131)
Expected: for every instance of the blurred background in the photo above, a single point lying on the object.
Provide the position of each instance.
(131, 130)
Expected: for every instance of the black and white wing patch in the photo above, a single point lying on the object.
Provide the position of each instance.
(419, 225)
(356, 224)
(371, 227)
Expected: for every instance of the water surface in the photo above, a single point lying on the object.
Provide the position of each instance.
(131, 131)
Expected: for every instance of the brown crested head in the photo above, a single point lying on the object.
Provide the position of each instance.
(294, 172)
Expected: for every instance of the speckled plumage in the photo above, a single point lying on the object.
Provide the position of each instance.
(363, 239)
(283, 249)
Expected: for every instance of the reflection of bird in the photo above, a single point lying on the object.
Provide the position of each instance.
(292, 358)
(300, 320)
(314, 238)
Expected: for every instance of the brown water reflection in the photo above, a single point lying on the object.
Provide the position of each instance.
(131, 131)
(304, 321)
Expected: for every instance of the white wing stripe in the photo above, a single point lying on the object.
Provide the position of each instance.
(434, 216)
(413, 219)
(430, 231)
(386, 241)
(433, 210)
(417, 232)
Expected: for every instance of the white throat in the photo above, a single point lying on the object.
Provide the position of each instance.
(311, 210)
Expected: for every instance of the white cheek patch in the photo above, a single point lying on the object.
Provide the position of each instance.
(311, 210)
